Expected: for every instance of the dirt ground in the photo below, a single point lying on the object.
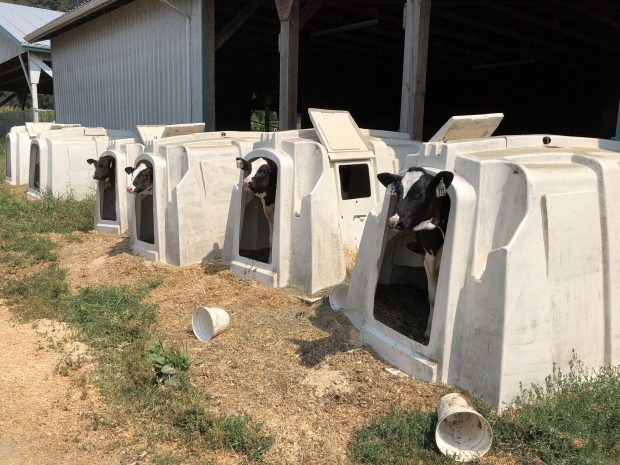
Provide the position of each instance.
(298, 368)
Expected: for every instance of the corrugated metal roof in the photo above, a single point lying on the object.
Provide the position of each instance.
(80, 15)
(17, 21)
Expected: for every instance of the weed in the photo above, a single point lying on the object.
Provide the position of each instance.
(573, 419)
(101, 421)
(169, 362)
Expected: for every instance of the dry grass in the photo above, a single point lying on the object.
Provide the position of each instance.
(297, 368)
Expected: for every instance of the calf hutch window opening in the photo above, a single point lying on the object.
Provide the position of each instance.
(145, 222)
(35, 159)
(354, 181)
(255, 240)
(401, 295)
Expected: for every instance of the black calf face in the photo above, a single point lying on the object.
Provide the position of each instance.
(260, 175)
(104, 168)
(261, 180)
(416, 191)
(139, 179)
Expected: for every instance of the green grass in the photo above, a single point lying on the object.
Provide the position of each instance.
(574, 419)
(399, 438)
(140, 375)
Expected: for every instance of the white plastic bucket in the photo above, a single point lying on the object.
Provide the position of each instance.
(208, 322)
(338, 297)
(461, 433)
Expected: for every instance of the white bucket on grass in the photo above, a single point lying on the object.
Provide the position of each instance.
(461, 433)
(208, 322)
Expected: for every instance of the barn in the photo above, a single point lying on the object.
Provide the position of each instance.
(394, 64)
(25, 67)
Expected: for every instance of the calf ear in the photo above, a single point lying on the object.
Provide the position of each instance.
(90, 161)
(243, 164)
(129, 169)
(388, 178)
(440, 183)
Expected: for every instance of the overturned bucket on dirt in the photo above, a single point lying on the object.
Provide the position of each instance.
(338, 297)
(208, 322)
(461, 432)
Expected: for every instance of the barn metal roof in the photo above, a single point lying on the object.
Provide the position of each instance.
(80, 15)
(17, 21)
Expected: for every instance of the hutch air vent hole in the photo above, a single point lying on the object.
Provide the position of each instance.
(354, 181)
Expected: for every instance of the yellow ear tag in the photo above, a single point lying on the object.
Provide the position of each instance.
(440, 190)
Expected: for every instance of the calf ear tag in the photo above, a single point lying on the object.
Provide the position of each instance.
(440, 190)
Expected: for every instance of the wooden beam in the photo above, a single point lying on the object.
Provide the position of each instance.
(545, 23)
(285, 8)
(208, 60)
(8, 99)
(289, 62)
(234, 24)
(346, 27)
(417, 21)
(308, 11)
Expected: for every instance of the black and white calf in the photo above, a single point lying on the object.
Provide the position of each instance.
(140, 178)
(261, 178)
(422, 206)
(105, 169)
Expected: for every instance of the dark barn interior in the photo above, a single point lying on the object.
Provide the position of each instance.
(549, 66)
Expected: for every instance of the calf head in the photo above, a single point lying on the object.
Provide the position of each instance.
(261, 175)
(104, 168)
(419, 194)
(140, 178)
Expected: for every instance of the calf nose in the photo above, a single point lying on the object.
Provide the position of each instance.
(130, 189)
(393, 221)
(246, 183)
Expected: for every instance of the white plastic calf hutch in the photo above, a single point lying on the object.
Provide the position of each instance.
(58, 160)
(530, 267)
(182, 220)
(112, 214)
(326, 185)
(18, 142)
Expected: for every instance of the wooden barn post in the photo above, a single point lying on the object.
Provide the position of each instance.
(288, 12)
(417, 17)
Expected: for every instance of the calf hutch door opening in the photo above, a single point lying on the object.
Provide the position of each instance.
(401, 299)
(35, 160)
(256, 238)
(144, 207)
(107, 192)
(8, 158)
